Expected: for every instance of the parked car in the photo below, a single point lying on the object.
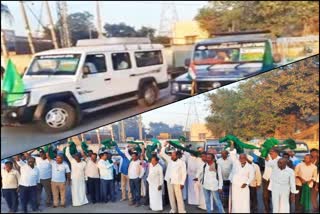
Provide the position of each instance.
(61, 85)
(224, 59)
(214, 144)
(301, 150)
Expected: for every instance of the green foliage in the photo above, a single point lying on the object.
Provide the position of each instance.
(283, 18)
(124, 30)
(260, 105)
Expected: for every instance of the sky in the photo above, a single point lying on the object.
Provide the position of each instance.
(133, 13)
(177, 113)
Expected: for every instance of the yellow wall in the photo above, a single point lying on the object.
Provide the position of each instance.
(20, 61)
(198, 128)
(184, 29)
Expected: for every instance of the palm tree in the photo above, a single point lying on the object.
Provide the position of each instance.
(6, 17)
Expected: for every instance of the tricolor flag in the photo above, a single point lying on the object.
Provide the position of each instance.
(192, 71)
(12, 84)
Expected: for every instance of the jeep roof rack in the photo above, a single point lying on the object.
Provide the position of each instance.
(113, 41)
(241, 33)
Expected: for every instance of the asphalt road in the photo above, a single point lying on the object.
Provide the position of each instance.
(15, 140)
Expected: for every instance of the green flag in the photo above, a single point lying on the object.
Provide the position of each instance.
(267, 57)
(12, 84)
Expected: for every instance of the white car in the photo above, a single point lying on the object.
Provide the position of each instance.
(63, 84)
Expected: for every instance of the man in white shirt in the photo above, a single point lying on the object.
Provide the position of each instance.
(155, 180)
(30, 177)
(211, 180)
(270, 162)
(306, 173)
(106, 177)
(45, 169)
(175, 176)
(282, 182)
(225, 163)
(241, 176)
(92, 174)
(10, 182)
(254, 185)
(135, 173)
(59, 177)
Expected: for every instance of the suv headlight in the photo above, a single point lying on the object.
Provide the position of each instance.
(19, 100)
(175, 86)
(186, 87)
(216, 84)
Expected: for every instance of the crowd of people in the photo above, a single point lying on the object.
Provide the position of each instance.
(227, 185)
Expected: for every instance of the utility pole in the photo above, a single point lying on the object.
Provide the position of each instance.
(98, 20)
(98, 136)
(27, 27)
(111, 132)
(140, 127)
(123, 133)
(4, 45)
(65, 23)
(51, 26)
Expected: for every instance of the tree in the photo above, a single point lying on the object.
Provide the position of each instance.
(6, 14)
(119, 30)
(146, 32)
(283, 18)
(159, 127)
(285, 97)
(164, 40)
(124, 30)
(80, 26)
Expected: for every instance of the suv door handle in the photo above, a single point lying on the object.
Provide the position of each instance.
(108, 79)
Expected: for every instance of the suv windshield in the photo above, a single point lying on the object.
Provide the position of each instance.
(54, 65)
(229, 53)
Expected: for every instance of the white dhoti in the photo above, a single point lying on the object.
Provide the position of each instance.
(193, 191)
(202, 203)
(78, 191)
(155, 196)
(280, 201)
(240, 199)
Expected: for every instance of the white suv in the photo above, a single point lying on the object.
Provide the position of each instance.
(62, 84)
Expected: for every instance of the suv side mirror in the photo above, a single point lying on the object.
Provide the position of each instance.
(276, 58)
(187, 62)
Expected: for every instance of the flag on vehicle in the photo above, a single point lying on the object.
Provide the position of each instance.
(12, 84)
(267, 57)
(192, 71)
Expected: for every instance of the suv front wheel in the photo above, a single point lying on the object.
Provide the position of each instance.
(148, 94)
(58, 116)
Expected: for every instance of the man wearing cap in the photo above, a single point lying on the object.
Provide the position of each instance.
(78, 184)
(254, 185)
(10, 182)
